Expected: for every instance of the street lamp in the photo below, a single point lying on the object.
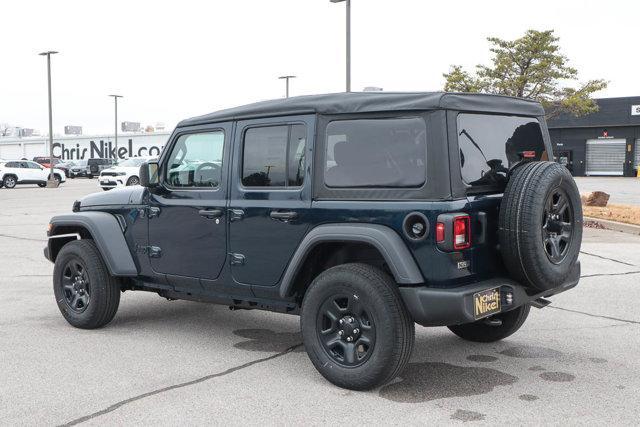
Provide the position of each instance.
(286, 78)
(348, 5)
(115, 101)
(51, 183)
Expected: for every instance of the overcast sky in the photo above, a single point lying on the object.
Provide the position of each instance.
(176, 59)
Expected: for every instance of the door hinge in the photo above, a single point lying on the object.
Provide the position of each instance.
(154, 252)
(235, 214)
(237, 259)
(152, 211)
(151, 251)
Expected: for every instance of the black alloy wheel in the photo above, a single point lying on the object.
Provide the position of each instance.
(86, 294)
(355, 327)
(557, 225)
(76, 285)
(346, 330)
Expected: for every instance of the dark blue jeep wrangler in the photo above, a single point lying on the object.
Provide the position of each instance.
(364, 213)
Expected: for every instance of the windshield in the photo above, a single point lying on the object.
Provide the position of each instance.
(132, 162)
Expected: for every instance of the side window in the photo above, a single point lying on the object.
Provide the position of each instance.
(274, 156)
(33, 165)
(376, 153)
(196, 160)
(491, 144)
(12, 164)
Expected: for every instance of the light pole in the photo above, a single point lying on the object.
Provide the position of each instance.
(51, 182)
(348, 5)
(115, 101)
(286, 78)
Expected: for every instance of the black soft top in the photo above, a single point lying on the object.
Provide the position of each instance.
(370, 102)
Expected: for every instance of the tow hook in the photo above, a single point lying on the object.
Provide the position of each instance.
(492, 321)
(540, 303)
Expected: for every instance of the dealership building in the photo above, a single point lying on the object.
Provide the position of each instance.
(603, 143)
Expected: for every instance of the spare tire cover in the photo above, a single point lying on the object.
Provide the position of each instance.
(540, 225)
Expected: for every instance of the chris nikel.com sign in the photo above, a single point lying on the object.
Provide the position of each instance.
(104, 147)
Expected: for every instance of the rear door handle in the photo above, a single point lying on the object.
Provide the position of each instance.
(210, 213)
(283, 215)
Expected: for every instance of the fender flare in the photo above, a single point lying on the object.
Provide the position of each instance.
(106, 233)
(392, 248)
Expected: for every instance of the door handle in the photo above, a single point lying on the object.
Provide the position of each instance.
(210, 213)
(284, 216)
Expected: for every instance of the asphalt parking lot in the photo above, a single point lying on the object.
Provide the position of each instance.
(177, 363)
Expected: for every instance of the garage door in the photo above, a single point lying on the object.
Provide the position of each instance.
(10, 151)
(606, 156)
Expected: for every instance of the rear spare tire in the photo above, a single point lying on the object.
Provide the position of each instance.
(540, 225)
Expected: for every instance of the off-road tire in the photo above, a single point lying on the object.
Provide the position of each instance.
(522, 216)
(483, 331)
(9, 181)
(394, 328)
(104, 291)
(134, 180)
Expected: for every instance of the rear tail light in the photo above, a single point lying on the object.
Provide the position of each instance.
(461, 232)
(440, 232)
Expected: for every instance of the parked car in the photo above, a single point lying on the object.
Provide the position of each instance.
(95, 166)
(364, 213)
(66, 167)
(123, 174)
(13, 172)
(79, 169)
(46, 161)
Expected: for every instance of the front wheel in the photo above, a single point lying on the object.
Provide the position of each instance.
(493, 328)
(42, 184)
(355, 326)
(134, 180)
(87, 295)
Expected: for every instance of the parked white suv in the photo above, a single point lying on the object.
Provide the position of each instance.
(14, 172)
(123, 174)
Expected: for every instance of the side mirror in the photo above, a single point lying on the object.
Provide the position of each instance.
(149, 174)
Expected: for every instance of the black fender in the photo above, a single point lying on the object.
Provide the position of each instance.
(391, 246)
(106, 233)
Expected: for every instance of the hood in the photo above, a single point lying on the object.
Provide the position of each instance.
(116, 197)
(122, 169)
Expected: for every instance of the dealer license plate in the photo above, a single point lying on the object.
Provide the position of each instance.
(486, 303)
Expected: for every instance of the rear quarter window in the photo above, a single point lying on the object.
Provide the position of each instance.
(491, 144)
(376, 153)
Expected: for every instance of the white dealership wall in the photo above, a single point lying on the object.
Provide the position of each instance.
(80, 147)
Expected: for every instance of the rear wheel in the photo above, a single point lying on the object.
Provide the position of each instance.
(42, 184)
(9, 181)
(86, 294)
(355, 327)
(493, 328)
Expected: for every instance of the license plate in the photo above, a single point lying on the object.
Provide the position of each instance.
(486, 303)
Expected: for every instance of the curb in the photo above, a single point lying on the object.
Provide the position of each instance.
(615, 226)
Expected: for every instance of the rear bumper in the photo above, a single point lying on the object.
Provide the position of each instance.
(455, 306)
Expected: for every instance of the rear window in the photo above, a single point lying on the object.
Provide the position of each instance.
(491, 144)
(376, 153)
